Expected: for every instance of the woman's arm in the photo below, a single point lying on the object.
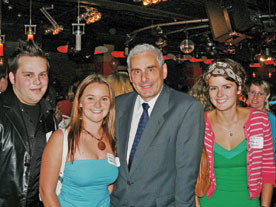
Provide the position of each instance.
(50, 167)
(197, 201)
(267, 194)
(110, 188)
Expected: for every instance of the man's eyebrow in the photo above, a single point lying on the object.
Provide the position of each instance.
(148, 67)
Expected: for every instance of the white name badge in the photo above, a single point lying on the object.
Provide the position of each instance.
(113, 160)
(256, 142)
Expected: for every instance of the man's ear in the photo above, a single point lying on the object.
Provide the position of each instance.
(129, 74)
(11, 77)
(165, 70)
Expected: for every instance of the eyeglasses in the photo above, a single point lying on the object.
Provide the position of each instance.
(253, 93)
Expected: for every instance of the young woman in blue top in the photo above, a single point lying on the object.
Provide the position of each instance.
(90, 168)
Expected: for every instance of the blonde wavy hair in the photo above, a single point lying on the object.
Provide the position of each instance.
(120, 83)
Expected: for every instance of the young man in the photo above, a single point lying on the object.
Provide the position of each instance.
(26, 121)
(160, 152)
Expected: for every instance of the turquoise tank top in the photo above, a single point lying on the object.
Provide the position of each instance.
(85, 183)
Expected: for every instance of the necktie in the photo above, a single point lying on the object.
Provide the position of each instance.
(141, 126)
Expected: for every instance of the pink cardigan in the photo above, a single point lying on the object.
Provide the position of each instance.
(260, 162)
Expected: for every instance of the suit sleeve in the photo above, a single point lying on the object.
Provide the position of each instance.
(188, 154)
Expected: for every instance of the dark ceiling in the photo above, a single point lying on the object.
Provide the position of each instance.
(127, 22)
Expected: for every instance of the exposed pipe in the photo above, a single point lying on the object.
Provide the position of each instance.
(165, 24)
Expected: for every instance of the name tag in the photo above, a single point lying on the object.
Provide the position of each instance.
(113, 160)
(256, 142)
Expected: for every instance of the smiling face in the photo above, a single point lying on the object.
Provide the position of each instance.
(257, 97)
(31, 79)
(146, 75)
(95, 102)
(223, 93)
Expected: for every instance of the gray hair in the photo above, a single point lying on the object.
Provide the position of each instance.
(145, 48)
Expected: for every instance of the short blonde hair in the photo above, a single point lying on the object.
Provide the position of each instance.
(265, 86)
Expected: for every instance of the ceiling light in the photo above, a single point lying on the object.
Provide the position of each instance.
(150, 2)
(1, 49)
(146, 2)
(266, 55)
(2, 37)
(78, 30)
(91, 15)
(187, 46)
(161, 41)
(56, 28)
(155, 1)
(30, 30)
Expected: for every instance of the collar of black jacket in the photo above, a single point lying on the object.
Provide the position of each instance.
(9, 100)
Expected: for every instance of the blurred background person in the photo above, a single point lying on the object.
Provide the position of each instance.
(258, 96)
(4, 82)
(90, 168)
(63, 111)
(237, 139)
(120, 83)
(73, 88)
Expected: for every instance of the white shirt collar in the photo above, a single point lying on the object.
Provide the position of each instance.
(140, 101)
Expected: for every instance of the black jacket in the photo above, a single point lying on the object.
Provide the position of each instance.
(15, 150)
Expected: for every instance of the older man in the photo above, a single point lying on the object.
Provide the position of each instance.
(160, 137)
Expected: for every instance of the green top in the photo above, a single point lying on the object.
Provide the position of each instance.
(231, 179)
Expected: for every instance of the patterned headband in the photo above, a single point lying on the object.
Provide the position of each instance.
(220, 68)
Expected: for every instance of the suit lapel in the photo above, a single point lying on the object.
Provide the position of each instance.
(153, 125)
(124, 125)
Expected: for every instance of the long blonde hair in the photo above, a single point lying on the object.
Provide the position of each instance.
(76, 120)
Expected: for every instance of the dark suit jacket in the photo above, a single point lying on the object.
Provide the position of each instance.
(166, 162)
